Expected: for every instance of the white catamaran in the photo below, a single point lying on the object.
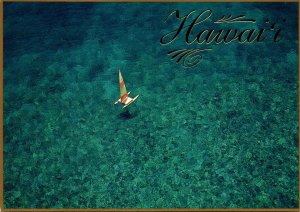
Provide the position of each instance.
(124, 96)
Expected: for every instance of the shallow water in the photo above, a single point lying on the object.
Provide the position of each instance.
(222, 134)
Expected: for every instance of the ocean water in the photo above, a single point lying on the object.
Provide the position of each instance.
(223, 134)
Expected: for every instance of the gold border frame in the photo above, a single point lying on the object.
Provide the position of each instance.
(135, 209)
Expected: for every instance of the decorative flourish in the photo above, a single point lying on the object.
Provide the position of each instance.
(187, 57)
(230, 19)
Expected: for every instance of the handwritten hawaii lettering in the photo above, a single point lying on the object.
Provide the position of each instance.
(194, 32)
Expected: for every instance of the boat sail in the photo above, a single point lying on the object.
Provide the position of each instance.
(124, 96)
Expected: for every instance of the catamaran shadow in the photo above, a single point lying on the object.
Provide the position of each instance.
(126, 115)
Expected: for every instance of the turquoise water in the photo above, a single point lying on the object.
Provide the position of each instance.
(223, 134)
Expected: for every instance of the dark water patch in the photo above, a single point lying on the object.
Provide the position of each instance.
(54, 88)
(233, 114)
(95, 70)
(296, 140)
(48, 26)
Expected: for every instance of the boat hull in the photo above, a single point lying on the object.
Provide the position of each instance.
(132, 100)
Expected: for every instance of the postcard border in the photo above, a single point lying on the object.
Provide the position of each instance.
(133, 209)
